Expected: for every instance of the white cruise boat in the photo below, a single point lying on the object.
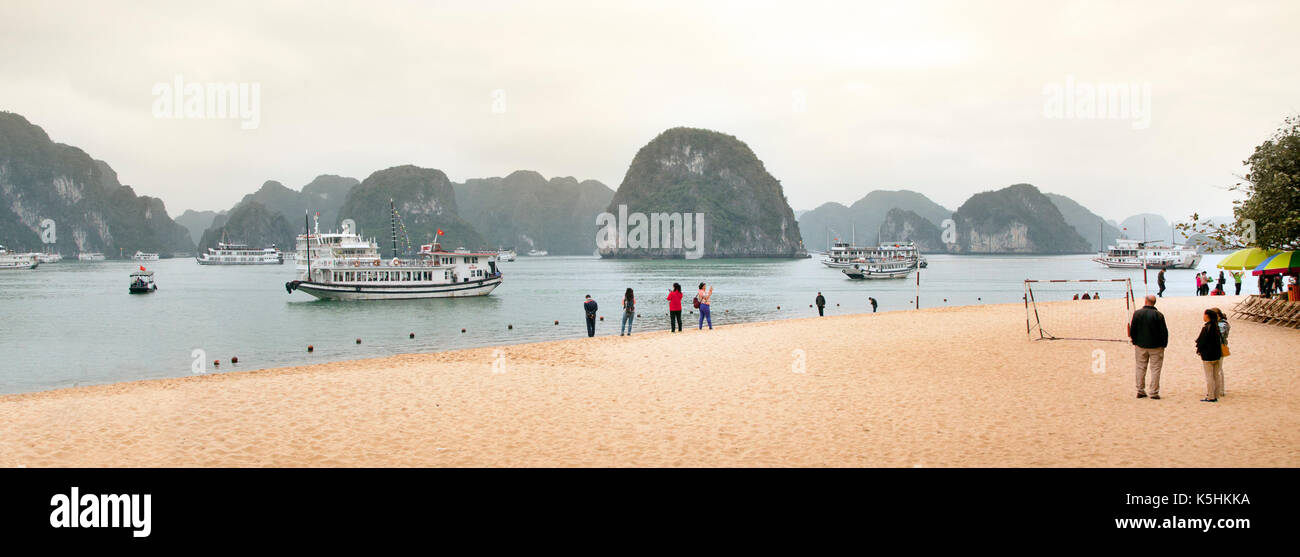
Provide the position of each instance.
(240, 254)
(14, 261)
(538, 253)
(1134, 254)
(90, 256)
(142, 256)
(506, 255)
(343, 266)
(844, 255)
(50, 257)
(882, 269)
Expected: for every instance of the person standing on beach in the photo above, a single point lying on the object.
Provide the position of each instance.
(1150, 337)
(629, 312)
(1160, 281)
(821, 304)
(1199, 282)
(675, 308)
(1222, 281)
(702, 297)
(873, 304)
(1236, 280)
(1209, 345)
(589, 306)
(1223, 337)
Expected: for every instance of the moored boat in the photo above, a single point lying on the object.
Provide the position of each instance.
(1135, 254)
(143, 256)
(240, 254)
(142, 282)
(17, 261)
(889, 269)
(90, 256)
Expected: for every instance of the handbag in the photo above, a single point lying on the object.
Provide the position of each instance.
(1225, 350)
(696, 302)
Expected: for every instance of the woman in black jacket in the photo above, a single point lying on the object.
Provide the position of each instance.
(1210, 346)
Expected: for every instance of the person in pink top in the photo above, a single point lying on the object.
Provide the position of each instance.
(675, 308)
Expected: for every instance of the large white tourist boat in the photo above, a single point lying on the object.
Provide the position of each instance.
(90, 256)
(844, 255)
(344, 266)
(1134, 254)
(13, 261)
(50, 257)
(538, 253)
(240, 254)
(142, 256)
(506, 254)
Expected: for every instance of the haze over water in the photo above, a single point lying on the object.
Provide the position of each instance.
(72, 323)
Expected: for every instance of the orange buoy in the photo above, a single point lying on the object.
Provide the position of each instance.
(358, 341)
(412, 335)
(216, 363)
(557, 321)
(310, 348)
(778, 307)
(462, 329)
(510, 326)
(234, 359)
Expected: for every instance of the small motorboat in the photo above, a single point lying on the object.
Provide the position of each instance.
(142, 282)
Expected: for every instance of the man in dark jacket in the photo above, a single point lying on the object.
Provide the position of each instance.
(1160, 281)
(1150, 336)
(590, 307)
(821, 304)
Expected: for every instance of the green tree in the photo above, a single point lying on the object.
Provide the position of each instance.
(1269, 214)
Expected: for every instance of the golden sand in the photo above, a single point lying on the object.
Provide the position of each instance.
(936, 387)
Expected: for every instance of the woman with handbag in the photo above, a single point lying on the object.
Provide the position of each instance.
(1209, 345)
(702, 302)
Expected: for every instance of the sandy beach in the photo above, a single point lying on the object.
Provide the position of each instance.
(943, 387)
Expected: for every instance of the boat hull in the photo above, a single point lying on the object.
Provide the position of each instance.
(326, 291)
(19, 266)
(868, 275)
(1190, 264)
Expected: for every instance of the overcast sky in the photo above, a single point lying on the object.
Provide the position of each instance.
(837, 99)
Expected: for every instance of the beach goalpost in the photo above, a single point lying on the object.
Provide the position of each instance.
(1058, 309)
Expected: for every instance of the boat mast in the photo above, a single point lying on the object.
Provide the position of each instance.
(392, 221)
(306, 229)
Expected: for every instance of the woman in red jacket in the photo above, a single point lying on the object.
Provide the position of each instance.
(675, 308)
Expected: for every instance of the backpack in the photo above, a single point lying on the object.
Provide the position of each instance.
(696, 302)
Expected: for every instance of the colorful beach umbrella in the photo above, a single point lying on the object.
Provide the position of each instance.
(1248, 258)
(1284, 263)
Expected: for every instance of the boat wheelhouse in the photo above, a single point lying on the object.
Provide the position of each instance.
(1134, 254)
(240, 254)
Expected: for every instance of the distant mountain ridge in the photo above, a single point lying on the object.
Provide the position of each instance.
(426, 202)
(1087, 224)
(42, 181)
(254, 224)
(1015, 219)
(862, 220)
(526, 211)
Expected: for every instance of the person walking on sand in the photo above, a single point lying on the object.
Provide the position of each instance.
(1236, 281)
(702, 298)
(1209, 345)
(1160, 281)
(675, 308)
(1150, 337)
(629, 312)
(589, 307)
(821, 304)
(873, 304)
(1223, 337)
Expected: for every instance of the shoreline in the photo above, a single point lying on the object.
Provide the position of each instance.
(944, 386)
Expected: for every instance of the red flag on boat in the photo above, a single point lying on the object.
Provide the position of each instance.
(440, 232)
(142, 267)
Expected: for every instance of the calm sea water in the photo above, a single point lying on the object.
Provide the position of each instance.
(73, 323)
